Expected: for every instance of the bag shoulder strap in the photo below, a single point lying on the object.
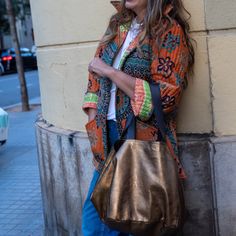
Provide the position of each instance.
(130, 128)
(159, 116)
(157, 108)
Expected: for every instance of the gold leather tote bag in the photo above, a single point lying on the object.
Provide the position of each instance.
(139, 190)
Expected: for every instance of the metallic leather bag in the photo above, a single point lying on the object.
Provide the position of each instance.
(139, 190)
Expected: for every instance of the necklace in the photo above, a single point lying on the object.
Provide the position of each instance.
(139, 23)
(135, 25)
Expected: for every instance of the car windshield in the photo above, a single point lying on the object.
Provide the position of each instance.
(24, 50)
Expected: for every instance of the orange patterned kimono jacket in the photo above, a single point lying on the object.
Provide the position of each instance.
(165, 65)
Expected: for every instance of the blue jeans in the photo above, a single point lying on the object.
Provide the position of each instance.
(91, 223)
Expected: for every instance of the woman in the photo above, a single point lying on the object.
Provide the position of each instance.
(146, 41)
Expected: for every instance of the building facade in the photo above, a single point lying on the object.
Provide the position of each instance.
(67, 34)
(24, 32)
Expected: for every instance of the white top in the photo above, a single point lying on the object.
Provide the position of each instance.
(133, 32)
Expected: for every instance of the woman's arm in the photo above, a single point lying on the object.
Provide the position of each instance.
(123, 81)
(168, 69)
(137, 89)
(91, 95)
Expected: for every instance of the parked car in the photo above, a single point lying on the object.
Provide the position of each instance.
(8, 59)
(4, 124)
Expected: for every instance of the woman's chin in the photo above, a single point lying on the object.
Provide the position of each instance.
(129, 5)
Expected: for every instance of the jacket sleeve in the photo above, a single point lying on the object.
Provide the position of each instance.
(169, 69)
(142, 102)
(91, 94)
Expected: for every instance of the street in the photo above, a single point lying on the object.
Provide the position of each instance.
(21, 211)
(10, 89)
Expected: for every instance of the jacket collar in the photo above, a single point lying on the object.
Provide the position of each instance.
(121, 36)
(122, 33)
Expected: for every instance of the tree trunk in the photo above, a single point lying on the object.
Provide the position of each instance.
(1, 41)
(19, 61)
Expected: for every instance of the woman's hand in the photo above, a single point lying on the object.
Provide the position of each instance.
(123, 81)
(99, 67)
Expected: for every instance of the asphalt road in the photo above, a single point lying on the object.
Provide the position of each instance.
(10, 88)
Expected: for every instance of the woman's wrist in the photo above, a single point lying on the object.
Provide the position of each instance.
(111, 73)
(91, 114)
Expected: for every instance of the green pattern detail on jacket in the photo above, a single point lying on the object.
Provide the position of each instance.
(90, 98)
(146, 108)
(125, 27)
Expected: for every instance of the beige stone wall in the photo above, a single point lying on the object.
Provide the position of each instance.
(221, 23)
(67, 33)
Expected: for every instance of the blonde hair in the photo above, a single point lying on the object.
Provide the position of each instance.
(154, 24)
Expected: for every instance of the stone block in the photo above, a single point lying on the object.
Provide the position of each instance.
(220, 14)
(195, 156)
(197, 11)
(63, 80)
(225, 184)
(195, 113)
(65, 164)
(65, 22)
(222, 53)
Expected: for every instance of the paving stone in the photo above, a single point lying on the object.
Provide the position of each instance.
(4, 232)
(20, 196)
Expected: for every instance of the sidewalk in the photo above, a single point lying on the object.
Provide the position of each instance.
(20, 193)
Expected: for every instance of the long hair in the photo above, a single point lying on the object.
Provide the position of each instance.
(154, 24)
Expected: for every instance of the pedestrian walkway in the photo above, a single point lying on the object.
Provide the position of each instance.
(20, 193)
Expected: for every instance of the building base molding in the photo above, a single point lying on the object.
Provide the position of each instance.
(65, 163)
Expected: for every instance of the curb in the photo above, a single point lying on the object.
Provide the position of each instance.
(31, 102)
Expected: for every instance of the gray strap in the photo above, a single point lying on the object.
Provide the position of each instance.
(157, 108)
